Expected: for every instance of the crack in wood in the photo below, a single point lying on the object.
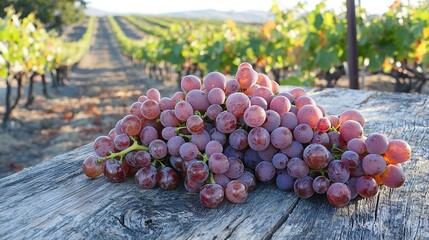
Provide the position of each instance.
(282, 220)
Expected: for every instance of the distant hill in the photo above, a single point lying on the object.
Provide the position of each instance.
(246, 16)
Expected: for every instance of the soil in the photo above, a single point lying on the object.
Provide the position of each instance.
(97, 94)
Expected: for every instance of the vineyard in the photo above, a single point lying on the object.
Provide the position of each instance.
(296, 47)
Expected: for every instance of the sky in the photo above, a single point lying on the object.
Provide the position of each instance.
(164, 6)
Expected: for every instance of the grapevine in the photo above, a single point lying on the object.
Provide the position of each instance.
(220, 138)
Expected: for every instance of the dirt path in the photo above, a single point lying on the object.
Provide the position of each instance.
(97, 94)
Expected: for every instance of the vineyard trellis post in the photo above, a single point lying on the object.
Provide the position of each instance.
(352, 45)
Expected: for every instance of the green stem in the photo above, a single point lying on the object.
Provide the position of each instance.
(204, 156)
(211, 178)
(184, 135)
(134, 147)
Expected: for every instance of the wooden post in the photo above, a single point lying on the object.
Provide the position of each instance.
(352, 45)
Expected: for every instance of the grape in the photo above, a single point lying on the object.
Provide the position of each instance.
(264, 80)
(252, 158)
(112, 134)
(231, 152)
(263, 92)
(303, 133)
(198, 100)
(238, 139)
(320, 138)
(103, 146)
(195, 124)
(218, 163)
(288, 120)
(357, 145)
(192, 186)
(321, 184)
(259, 101)
(316, 156)
(176, 163)
(221, 179)
(350, 159)
(254, 116)
(352, 186)
(280, 161)
(335, 121)
(249, 92)
(131, 125)
(177, 97)
(201, 140)
(226, 122)
(213, 111)
(373, 164)
(118, 129)
(142, 98)
(166, 103)
(235, 192)
(288, 96)
(248, 179)
(115, 171)
(322, 109)
(173, 145)
(304, 187)
(135, 109)
(218, 136)
(350, 129)
(91, 168)
(265, 171)
(376, 143)
(158, 149)
(237, 103)
(232, 86)
(393, 177)
(183, 110)
(366, 186)
(188, 151)
(281, 137)
(214, 80)
(146, 177)
(309, 114)
(246, 77)
(186, 164)
(338, 194)
(275, 87)
(297, 92)
(272, 120)
(150, 109)
(285, 182)
(304, 100)
(168, 119)
(211, 195)
(216, 96)
(190, 82)
(153, 94)
(293, 109)
(259, 138)
(398, 151)
(295, 149)
(352, 114)
(297, 168)
(121, 141)
(198, 172)
(148, 134)
(268, 153)
(323, 124)
(335, 140)
(168, 132)
(140, 159)
(236, 168)
(338, 171)
(357, 171)
(167, 178)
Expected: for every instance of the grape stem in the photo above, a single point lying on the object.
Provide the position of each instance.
(134, 147)
(211, 178)
(204, 156)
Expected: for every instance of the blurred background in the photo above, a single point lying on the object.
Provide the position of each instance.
(69, 69)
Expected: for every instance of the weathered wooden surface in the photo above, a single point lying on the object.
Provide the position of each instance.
(54, 200)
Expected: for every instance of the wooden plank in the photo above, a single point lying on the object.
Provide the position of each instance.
(55, 200)
(394, 213)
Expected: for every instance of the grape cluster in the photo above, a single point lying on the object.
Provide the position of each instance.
(223, 136)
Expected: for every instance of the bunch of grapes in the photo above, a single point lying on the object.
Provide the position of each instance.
(221, 137)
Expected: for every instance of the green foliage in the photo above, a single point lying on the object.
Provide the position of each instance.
(53, 14)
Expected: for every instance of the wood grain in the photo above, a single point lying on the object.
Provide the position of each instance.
(54, 200)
